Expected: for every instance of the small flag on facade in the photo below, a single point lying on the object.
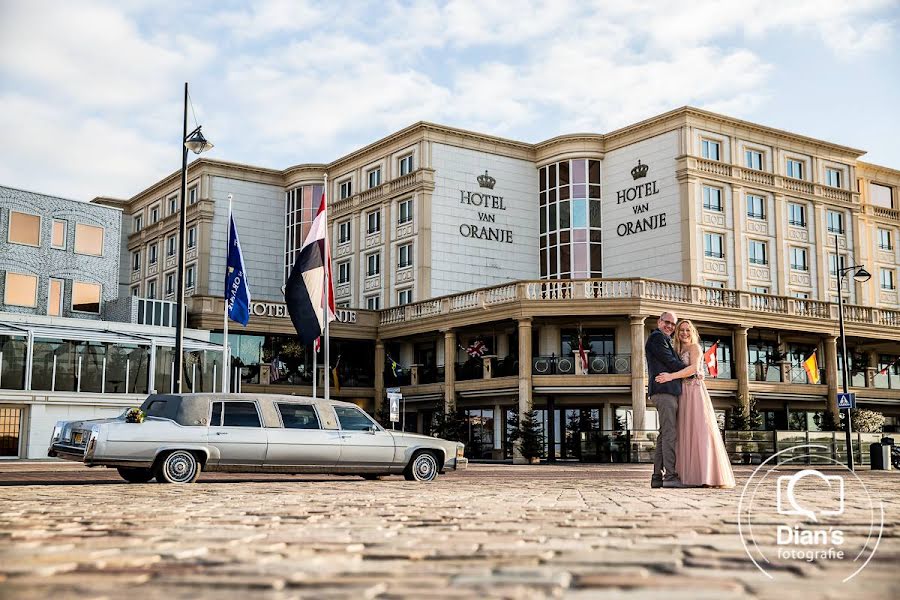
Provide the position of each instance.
(237, 290)
(476, 349)
(582, 355)
(811, 365)
(885, 370)
(711, 360)
(273, 369)
(394, 365)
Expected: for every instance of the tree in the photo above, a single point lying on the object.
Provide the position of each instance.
(866, 421)
(751, 421)
(449, 425)
(527, 433)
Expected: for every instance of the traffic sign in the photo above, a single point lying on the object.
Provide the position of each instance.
(846, 400)
(394, 397)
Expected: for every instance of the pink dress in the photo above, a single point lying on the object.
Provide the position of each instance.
(700, 455)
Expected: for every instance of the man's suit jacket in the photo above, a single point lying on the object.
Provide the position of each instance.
(661, 358)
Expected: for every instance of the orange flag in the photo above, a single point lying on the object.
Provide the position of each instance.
(812, 368)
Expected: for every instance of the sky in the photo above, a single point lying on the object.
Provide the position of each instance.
(91, 93)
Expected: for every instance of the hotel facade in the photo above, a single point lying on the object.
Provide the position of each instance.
(444, 239)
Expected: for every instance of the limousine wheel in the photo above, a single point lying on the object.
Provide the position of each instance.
(179, 466)
(135, 474)
(422, 467)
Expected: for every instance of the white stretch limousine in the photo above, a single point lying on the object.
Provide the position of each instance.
(183, 434)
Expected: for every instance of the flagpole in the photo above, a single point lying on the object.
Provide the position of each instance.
(226, 355)
(315, 369)
(327, 296)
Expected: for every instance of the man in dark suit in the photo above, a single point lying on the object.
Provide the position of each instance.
(661, 358)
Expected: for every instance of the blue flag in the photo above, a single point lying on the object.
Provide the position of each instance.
(237, 290)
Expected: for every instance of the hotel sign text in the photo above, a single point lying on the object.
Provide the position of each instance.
(278, 310)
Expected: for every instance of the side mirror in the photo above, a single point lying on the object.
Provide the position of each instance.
(371, 429)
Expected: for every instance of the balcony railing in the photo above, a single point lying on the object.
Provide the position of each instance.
(636, 289)
(598, 364)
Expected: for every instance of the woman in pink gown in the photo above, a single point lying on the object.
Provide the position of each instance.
(700, 456)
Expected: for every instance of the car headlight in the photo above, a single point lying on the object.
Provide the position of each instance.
(57, 432)
(460, 450)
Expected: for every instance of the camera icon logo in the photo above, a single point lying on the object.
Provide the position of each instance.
(832, 491)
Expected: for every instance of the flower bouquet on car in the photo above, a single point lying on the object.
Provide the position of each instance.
(135, 415)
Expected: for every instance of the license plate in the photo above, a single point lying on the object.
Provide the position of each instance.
(76, 437)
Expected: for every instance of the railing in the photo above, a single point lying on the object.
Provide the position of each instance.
(753, 447)
(833, 193)
(798, 185)
(155, 312)
(886, 213)
(598, 364)
(713, 166)
(384, 190)
(761, 371)
(760, 177)
(636, 289)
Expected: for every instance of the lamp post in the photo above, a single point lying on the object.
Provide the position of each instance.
(861, 275)
(196, 143)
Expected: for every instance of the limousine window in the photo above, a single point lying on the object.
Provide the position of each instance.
(236, 414)
(157, 408)
(352, 419)
(298, 416)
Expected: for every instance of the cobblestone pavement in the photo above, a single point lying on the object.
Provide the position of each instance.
(494, 531)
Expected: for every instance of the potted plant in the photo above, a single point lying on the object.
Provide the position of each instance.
(528, 435)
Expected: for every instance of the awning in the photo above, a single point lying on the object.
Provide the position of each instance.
(106, 334)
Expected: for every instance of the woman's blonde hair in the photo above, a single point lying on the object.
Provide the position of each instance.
(695, 337)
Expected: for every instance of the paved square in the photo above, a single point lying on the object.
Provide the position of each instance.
(494, 531)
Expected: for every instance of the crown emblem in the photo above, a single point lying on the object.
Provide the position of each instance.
(486, 181)
(639, 171)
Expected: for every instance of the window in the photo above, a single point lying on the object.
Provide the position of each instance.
(135, 291)
(353, 419)
(136, 260)
(757, 253)
(713, 245)
(373, 264)
(298, 416)
(151, 289)
(344, 272)
(759, 290)
(881, 195)
(21, 290)
(835, 222)
(404, 297)
(189, 277)
(712, 198)
(833, 177)
(798, 259)
(344, 304)
(344, 232)
(404, 211)
(753, 159)
(373, 222)
(173, 205)
(138, 223)
(404, 254)
(345, 189)
(192, 195)
(406, 165)
(170, 284)
(88, 239)
(884, 239)
(192, 237)
(152, 254)
(171, 246)
(756, 206)
(24, 229)
(58, 235)
(710, 149)
(86, 297)
(801, 295)
(374, 177)
(715, 283)
(373, 302)
(836, 264)
(887, 279)
(796, 215)
(794, 168)
(154, 214)
(234, 414)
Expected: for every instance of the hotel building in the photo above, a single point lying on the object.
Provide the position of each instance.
(443, 239)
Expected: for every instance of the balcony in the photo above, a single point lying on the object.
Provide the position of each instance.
(598, 364)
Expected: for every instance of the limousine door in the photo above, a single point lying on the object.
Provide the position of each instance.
(301, 441)
(362, 443)
(236, 431)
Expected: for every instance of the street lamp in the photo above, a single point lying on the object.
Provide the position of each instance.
(196, 143)
(862, 276)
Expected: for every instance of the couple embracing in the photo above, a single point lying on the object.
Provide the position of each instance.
(689, 449)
